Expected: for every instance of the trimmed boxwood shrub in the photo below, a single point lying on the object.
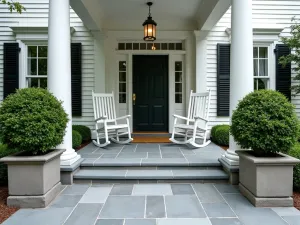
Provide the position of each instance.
(266, 122)
(76, 139)
(213, 131)
(4, 151)
(84, 131)
(32, 120)
(221, 135)
(295, 152)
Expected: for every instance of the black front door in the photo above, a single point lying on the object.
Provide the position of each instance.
(150, 87)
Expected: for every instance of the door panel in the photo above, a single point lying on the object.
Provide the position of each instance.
(150, 84)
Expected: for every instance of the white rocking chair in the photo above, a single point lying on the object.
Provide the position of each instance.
(106, 121)
(196, 122)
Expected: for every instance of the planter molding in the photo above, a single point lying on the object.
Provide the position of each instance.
(267, 181)
(33, 181)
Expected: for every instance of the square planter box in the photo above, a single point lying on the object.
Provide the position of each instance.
(33, 181)
(267, 181)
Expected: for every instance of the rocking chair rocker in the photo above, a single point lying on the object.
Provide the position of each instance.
(106, 121)
(196, 122)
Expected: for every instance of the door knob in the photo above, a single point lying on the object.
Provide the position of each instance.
(133, 98)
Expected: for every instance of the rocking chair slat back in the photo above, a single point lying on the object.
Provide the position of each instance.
(199, 105)
(104, 106)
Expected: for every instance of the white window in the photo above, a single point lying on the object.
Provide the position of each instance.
(178, 81)
(122, 82)
(36, 75)
(260, 68)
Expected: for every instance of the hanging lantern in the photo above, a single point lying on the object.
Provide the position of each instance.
(149, 26)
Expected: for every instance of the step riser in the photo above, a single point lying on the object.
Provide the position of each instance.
(146, 181)
(148, 168)
(149, 164)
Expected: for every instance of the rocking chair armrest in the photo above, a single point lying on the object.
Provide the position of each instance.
(180, 117)
(123, 117)
(101, 118)
(200, 118)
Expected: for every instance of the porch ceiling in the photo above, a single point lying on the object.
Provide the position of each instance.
(130, 14)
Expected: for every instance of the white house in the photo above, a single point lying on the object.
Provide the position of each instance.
(226, 46)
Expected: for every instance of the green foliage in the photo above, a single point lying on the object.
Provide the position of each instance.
(14, 6)
(295, 152)
(32, 120)
(266, 122)
(294, 43)
(84, 131)
(4, 151)
(220, 134)
(76, 139)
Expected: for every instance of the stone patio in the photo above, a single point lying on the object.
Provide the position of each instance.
(153, 204)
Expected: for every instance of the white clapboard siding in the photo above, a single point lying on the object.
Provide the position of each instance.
(37, 12)
(264, 13)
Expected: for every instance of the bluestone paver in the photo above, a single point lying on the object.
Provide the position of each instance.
(96, 194)
(140, 222)
(292, 220)
(182, 189)
(121, 189)
(76, 189)
(207, 193)
(152, 189)
(63, 201)
(110, 222)
(286, 211)
(198, 221)
(218, 210)
(226, 188)
(155, 207)
(225, 221)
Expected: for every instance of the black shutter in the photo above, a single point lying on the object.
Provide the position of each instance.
(76, 79)
(283, 74)
(223, 79)
(11, 68)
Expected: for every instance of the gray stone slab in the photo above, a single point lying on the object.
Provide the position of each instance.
(172, 155)
(149, 174)
(170, 151)
(96, 195)
(117, 162)
(215, 174)
(149, 150)
(91, 155)
(76, 189)
(110, 222)
(227, 188)
(218, 210)
(84, 214)
(153, 155)
(164, 162)
(286, 211)
(292, 220)
(155, 207)
(88, 162)
(207, 193)
(140, 222)
(121, 189)
(65, 201)
(249, 215)
(108, 156)
(225, 221)
(49, 216)
(182, 189)
(103, 174)
(136, 155)
(183, 206)
(198, 221)
(152, 189)
(124, 207)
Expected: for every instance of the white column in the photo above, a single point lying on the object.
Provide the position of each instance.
(241, 65)
(201, 60)
(59, 68)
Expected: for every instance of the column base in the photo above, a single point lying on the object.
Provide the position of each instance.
(231, 158)
(231, 170)
(67, 160)
(67, 172)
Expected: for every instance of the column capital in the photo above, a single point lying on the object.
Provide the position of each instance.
(201, 34)
(98, 34)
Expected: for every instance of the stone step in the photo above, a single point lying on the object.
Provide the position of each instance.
(155, 162)
(160, 174)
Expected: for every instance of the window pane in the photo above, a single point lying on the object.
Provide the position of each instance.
(171, 46)
(255, 67)
(263, 52)
(178, 46)
(157, 46)
(122, 98)
(43, 51)
(260, 84)
(122, 87)
(136, 46)
(43, 83)
(149, 46)
(32, 51)
(142, 46)
(178, 87)
(33, 82)
(178, 76)
(42, 67)
(164, 46)
(263, 67)
(255, 52)
(121, 46)
(128, 46)
(122, 76)
(32, 67)
(178, 66)
(178, 98)
(122, 66)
